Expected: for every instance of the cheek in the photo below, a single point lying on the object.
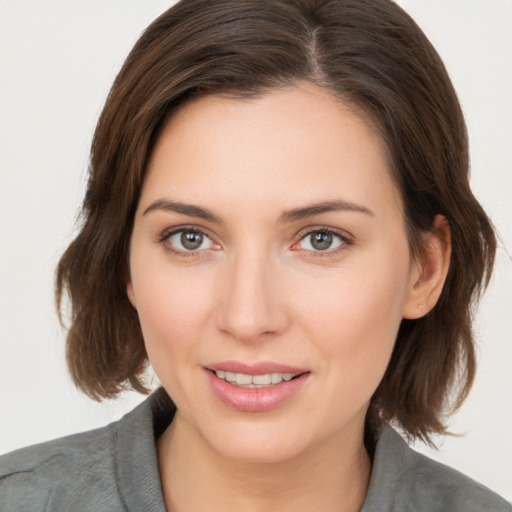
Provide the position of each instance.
(173, 306)
(172, 312)
(354, 320)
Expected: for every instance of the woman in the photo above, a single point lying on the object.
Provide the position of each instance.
(279, 218)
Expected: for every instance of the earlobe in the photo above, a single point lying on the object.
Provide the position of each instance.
(429, 271)
(131, 295)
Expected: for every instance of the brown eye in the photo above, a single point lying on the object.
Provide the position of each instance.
(188, 240)
(191, 240)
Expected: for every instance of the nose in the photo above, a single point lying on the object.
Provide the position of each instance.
(251, 305)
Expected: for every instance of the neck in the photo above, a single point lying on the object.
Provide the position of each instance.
(333, 475)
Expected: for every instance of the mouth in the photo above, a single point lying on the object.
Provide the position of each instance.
(255, 388)
(244, 380)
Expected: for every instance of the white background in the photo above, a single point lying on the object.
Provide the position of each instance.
(57, 61)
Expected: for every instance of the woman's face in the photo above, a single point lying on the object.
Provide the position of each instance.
(269, 241)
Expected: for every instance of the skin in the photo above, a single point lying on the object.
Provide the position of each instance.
(258, 290)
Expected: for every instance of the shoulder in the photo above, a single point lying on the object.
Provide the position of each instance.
(407, 480)
(449, 490)
(33, 478)
(113, 468)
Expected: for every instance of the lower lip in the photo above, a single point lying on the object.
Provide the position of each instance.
(256, 399)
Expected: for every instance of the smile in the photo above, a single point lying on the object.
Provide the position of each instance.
(254, 381)
(258, 387)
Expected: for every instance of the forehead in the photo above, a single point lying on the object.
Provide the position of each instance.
(293, 145)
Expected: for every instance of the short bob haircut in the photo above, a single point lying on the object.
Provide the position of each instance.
(373, 57)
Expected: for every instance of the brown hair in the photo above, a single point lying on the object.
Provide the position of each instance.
(370, 54)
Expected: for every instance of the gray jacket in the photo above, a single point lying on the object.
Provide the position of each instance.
(115, 469)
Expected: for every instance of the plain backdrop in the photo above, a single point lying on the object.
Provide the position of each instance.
(58, 59)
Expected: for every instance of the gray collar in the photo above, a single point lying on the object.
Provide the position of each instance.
(402, 480)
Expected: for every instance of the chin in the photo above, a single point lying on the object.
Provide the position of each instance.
(244, 451)
(256, 443)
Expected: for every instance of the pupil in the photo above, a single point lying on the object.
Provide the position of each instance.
(191, 240)
(321, 241)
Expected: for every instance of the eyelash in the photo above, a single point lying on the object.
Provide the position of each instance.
(169, 233)
(346, 241)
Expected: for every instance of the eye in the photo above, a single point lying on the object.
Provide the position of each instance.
(321, 240)
(187, 240)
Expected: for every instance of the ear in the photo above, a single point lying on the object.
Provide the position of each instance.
(429, 271)
(130, 293)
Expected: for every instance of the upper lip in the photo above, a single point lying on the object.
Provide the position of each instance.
(259, 368)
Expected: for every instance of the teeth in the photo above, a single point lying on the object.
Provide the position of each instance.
(262, 379)
(254, 381)
(276, 377)
(242, 379)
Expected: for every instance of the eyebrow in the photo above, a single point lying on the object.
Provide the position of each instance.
(287, 216)
(184, 209)
(319, 208)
